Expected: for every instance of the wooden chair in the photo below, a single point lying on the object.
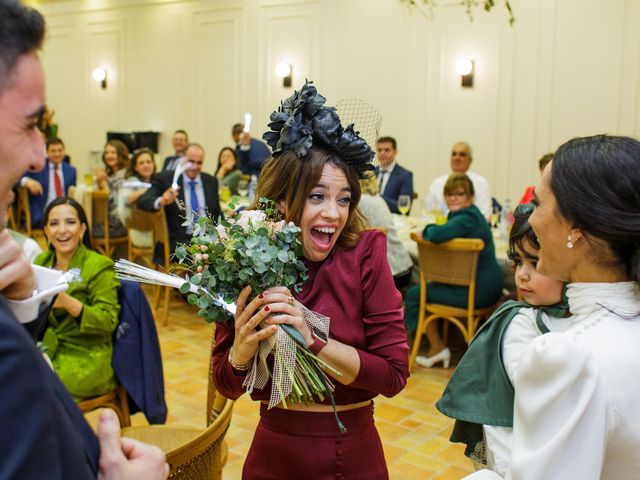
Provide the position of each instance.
(193, 453)
(23, 214)
(116, 400)
(156, 223)
(141, 221)
(100, 206)
(454, 263)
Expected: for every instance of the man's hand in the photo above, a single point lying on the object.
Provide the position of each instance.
(125, 458)
(168, 197)
(245, 138)
(34, 186)
(16, 277)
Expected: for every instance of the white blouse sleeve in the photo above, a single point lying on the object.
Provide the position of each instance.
(518, 336)
(561, 413)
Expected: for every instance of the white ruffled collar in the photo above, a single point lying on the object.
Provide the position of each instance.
(621, 298)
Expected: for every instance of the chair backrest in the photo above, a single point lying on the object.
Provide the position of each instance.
(454, 262)
(154, 222)
(23, 212)
(202, 457)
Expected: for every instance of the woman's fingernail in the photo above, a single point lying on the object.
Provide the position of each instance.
(266, 309)
(261, 296)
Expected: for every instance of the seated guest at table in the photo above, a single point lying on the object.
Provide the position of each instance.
(227, 172)
(140, 171)
(197, 191)
(179, 141)
(393, 180)
(528, 194)
(377, 214)
(55, 180)
(251, 152)
(116, 159)
(464, 221)
(83, 319)
(461, 158)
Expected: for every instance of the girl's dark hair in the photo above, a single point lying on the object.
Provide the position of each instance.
(86, 238)
(233, 152)
(131, 168)
(596, 184)
(521, 232)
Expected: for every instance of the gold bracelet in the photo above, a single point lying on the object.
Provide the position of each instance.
(235, 366)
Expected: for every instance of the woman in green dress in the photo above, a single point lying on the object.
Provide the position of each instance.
(78, 338)
(464, 221)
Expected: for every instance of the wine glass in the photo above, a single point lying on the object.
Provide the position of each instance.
(404, 204)
(243, 187)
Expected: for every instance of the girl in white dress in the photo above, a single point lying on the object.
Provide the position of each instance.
(576, 412)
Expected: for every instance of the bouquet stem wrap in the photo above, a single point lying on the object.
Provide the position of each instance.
(285, 363)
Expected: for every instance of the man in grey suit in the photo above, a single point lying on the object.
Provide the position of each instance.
(44, 433)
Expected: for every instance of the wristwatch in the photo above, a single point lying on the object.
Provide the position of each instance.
(318, 342)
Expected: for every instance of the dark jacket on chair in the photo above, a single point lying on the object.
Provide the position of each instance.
(44, 432)
(136, 354)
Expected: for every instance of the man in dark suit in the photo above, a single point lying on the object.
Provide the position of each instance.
(53, 181)
(44, 433)
(392, 178)
(197, 191)
(251, 153)
(179, 141)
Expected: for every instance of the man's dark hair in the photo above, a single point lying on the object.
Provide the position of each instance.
(21, 32)
(237, 129)
(390, 140)
(184, 132)
(54, 141)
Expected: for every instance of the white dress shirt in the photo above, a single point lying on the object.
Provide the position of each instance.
(481, 199)
(576, 410)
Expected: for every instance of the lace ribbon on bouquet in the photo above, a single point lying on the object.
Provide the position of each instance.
(284, 354)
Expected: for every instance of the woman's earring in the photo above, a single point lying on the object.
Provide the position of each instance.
(569, 242)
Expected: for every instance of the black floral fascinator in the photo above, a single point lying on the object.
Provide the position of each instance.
(302, 121)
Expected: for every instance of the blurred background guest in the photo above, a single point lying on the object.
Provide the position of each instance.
(393, 180)
(78, 338)
(116, 160)
(461, 159)
(227, 172)
(179, 141)
(464, 221)
(527, 197)
(55, 180)
(251, 153)
(140, 171)
(377, 214)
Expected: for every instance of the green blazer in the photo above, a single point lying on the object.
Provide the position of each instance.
(80, 348)
(468, 223)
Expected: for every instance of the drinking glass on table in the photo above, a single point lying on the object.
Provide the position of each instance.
(404, 204)
(243, 187)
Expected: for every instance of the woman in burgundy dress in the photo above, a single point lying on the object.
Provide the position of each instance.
(314, 177)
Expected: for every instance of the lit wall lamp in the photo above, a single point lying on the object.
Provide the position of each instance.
(466, 68)
(284, 71)
(100, 75)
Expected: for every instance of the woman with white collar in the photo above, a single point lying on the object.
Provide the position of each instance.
(576, 403)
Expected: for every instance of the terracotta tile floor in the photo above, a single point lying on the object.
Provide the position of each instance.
(414, 433)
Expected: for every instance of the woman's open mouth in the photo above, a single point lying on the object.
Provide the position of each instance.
(322, 237)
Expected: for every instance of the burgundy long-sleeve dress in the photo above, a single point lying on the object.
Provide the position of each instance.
(354, 287)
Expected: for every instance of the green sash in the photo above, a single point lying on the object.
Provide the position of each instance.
(479, 391)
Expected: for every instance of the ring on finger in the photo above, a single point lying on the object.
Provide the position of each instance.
(291, 301)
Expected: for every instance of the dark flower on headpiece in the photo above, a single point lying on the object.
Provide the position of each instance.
(302, 121)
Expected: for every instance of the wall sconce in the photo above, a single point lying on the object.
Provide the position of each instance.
(100, 75)
(284, 70)
(466, 68)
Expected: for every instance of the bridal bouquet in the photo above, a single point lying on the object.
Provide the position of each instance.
(259, 249)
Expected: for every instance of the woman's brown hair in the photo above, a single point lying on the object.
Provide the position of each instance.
(123, 155)
(131, 168)
(461, 181)
(289, 180)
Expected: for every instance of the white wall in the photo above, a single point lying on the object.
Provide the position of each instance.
(566, 68)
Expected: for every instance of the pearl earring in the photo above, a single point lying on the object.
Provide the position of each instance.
(569, 242)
